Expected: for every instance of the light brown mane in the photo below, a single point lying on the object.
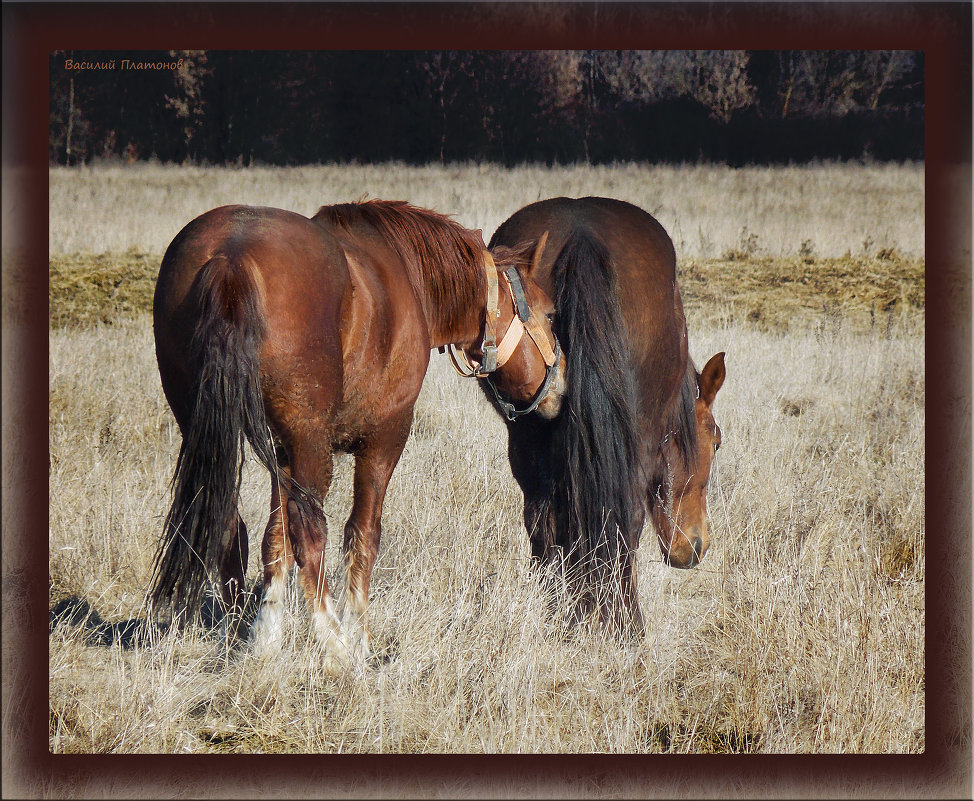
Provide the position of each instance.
(443, 257)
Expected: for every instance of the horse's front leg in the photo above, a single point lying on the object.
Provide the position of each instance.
(374, 463)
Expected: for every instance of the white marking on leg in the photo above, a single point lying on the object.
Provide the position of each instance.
(328, 629)
(267, 628)
(355, 623)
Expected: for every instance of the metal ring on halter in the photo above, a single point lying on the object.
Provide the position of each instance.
(467, 369)
(508, 408)
(495, 356)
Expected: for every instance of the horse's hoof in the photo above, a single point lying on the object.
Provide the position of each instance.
(265, 637)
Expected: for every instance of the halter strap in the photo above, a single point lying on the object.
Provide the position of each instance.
(462, 363)
(501, 353)
(509, 343)
(496, 356)
(508, 408)
(489, 346)
(517, 293)
(531, 323)
(540, 339)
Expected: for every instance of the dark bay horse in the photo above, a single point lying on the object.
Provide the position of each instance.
(636, 432)
(308, 336)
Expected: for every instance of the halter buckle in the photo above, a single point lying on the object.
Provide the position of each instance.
(489, 363)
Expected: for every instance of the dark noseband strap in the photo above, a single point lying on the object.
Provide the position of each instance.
(508, 408)
(517, 290)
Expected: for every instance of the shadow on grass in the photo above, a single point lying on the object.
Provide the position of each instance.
(140, 631)
(674, 739)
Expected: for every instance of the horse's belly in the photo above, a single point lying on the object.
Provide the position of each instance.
(378, 392)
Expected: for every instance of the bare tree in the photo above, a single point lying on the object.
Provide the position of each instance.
(837, 82)
(718, 79)
(186, 97)
(442, 69)
(715, 78)
(886, 68)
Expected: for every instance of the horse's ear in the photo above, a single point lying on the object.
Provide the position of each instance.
(712, 378)
(479, 233)
(538, 251)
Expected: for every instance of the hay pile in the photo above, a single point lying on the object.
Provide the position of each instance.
(90, 288)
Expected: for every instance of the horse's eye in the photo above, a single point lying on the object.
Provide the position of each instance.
(716, 447)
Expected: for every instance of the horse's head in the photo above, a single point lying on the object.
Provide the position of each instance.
(519, 356)
(680, 512)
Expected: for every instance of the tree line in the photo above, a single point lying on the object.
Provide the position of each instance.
(549, 106)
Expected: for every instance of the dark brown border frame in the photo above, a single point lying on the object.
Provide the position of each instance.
(942, 30)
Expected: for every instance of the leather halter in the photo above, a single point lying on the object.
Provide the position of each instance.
(496, 356)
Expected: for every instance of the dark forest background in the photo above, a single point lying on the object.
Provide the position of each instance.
(552, 106)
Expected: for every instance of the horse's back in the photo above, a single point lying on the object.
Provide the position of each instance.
(643, 262)
(642, 259)
(637, 242)
(385, 333)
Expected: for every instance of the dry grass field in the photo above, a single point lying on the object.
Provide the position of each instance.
(827, 210)
(801, 632)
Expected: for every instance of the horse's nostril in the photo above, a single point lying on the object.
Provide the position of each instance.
(697, 546)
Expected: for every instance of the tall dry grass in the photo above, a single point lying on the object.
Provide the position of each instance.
(802, 631)
(833, 209)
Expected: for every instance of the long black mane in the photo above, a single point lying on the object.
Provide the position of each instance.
(596, 512)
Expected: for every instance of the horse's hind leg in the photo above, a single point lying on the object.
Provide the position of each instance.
(308, 533)
(374, 464)
(278, 559)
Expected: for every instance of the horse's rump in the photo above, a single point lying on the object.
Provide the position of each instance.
(225, 411)
(211, 324)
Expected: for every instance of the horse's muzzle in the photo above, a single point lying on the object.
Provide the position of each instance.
(690, 555)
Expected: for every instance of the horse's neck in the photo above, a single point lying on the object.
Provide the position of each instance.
(449, 285)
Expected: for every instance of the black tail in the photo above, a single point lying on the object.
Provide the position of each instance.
(594, 502)
(227, 411)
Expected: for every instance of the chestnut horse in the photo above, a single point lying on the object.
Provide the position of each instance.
(636, 432)
(308, 336)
